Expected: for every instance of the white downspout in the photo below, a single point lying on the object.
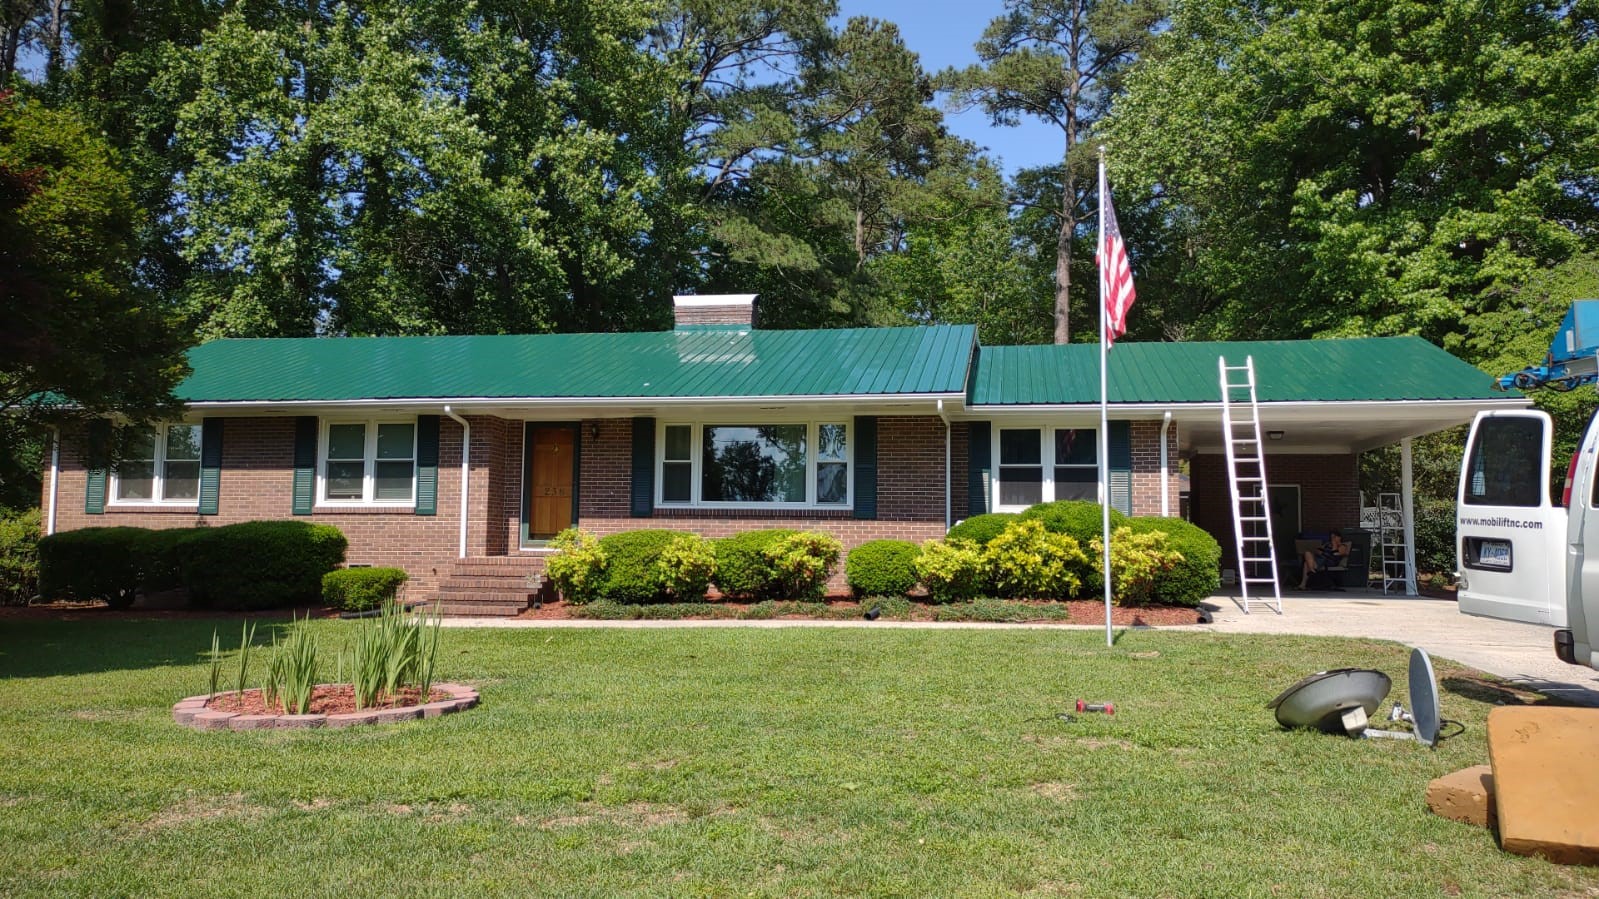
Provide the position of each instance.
(55, 478)
(466, 468)
(1166, 471)
(948, 509)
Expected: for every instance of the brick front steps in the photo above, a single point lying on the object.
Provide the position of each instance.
(489, 586)
(192, 712)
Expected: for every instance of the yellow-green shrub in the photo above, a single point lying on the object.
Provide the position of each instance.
(801, 563)
(577, 566)
(1138, 562)
(1028, 562)
(951, 570)
(686, 567)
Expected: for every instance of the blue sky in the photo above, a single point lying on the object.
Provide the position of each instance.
(943, 33)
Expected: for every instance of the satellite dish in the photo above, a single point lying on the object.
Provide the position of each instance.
(1323, 699)
(1423, 698)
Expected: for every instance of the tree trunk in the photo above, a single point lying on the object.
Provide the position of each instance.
(1063, 258)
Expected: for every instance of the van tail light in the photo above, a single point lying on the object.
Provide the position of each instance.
(1571, 473)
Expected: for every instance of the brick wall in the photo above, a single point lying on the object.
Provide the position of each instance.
(1329, 493)
(1145, 436)
(730, 314)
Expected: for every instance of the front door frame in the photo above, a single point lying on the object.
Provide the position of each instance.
(528, 427)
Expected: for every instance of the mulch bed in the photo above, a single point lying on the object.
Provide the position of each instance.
(99, 611)
(328, 699)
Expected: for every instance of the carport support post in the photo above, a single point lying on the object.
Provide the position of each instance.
(1407, 500)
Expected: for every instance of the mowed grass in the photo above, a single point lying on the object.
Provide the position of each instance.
(737, 762)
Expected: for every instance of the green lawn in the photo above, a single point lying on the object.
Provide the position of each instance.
(723, 762)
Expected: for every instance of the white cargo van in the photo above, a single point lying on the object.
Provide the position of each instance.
(1578, 641)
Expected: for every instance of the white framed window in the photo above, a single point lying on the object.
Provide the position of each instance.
(1042, 464)
(755, 465)
(162, 467)
(367, 463)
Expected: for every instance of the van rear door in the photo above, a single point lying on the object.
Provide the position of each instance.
(1582, 551)
(1510, 537)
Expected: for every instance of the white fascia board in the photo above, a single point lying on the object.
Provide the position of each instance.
(1155, 410)
(725, 299)
(471, 403)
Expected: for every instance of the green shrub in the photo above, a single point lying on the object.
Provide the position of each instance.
(259, 564)
(686, 567)
(577, 566)
(1082, 521)
(892, 607)
(1198, 575)
(950, 569)
(19, 557)
(882, 568)
(1140, 560)
(802, 563)
(360, 589)
(91, 563)
(980, 529)
(632, 566)
(606, 610)
(742, 570)
(1026, 561)
(157, 555)
(1435, 536)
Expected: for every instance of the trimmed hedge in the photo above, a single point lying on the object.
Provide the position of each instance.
(361, 589)
(980, 529)
(632, 574)
(19, 557)
(882, 568)
(92, 563)
(259, 564)
(742, 571)
(1198, 575)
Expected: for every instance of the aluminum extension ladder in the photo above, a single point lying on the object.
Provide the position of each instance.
(1246, 476)
(1391, 543)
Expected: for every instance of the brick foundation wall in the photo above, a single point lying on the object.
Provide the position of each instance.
(1329, 493)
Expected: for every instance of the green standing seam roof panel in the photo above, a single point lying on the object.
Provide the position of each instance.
(683, 363)
(1354, 369)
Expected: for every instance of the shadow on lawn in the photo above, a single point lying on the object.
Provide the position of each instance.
(93, 642)
(1521, 692)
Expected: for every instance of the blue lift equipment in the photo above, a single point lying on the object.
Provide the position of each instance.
(1570, 363)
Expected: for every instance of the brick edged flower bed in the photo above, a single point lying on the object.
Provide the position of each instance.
(194, 712)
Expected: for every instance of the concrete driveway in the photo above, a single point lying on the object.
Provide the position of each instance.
(1521, 653)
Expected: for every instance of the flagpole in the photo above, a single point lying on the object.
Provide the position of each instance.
(1104, 406)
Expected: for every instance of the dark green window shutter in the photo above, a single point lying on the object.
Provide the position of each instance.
(427, 464)
(979, 450)
(304, 464)
(643, 492)
(1121, 467)
(866, 466)
(94, 489)
(210, 465)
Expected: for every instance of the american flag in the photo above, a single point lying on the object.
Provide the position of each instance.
(1115, 271)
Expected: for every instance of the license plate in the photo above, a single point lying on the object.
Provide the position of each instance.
(1495, 553)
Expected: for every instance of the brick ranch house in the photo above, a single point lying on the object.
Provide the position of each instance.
(718, 426)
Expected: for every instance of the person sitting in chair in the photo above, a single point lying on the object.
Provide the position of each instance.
(1332, 554)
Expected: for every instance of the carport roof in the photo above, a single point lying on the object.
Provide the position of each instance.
(1366, 369)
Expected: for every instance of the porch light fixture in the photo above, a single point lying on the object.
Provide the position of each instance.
(1274, 435)
(594, 430)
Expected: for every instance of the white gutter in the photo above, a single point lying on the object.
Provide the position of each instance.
(55, 478)
(948, 510)
(989, 410)
(466, 468)
(1165, 467)
(495, 402)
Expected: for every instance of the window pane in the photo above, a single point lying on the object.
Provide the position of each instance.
(393, 480)
(832, 482)
(1021, 486)
(679, 442)
(140, 445)
(346, 441)
(135, 479)
(395, 441)
(183, 443)
(1077, 483)
(1507, 463)
(830, 445)
(754, 464)
(1076, 446)
(344, 479)
(181, 480)
(677, 478)
(1020, 447)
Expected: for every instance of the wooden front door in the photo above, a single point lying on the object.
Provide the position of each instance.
(551, 481)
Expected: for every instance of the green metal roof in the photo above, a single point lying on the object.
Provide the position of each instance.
(688, 363)
(1358, 369)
